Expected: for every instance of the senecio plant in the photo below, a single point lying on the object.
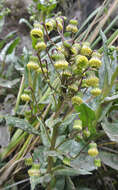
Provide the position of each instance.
(67, 73)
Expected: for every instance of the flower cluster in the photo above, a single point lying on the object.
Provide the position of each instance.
(74, 62)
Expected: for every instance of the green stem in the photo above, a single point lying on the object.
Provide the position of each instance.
(19, 94)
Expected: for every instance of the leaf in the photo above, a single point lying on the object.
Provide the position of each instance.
(109, 159)
(105, 109)
(8, 84)
(44, 135)
(70, 184)
(110, 98)
(111, 129)
(8, 36)
(12, 45)
(53, 154)
(106, 58)
(86, 115)
(35, 180)
(60, 183)
(23, 20)
(66, 171)
(21, 124)
(71, 147)
(83, 161)
(9, 47)
(2, 23)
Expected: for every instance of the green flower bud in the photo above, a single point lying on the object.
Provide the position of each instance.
(61, 64)
(34, 59)
(32, 65)
(93, 152)
(33, 172)
(92, 145)
(77, 100)
(67, 44)
(75, 48)
(96, 92)
(25, 97)
(71, 28)
(86, 133)
(92, 81)
(57, 56)
(66, 74)
(77, 125)
(28, 161)
(73, 22)
(97, 162)
(40, 46)
(86, 50)
(95, 62)
(36, 33)
(81, 61)
(73, 87)
(50, 25)
(39, 70)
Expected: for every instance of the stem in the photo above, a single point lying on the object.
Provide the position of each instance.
(19, 94)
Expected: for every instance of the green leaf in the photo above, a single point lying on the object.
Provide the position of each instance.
(2, 23)
(109, 159)
(60, 183)
(83, 161)
(35, 180)
(21, 124)
(8, 84)
(66, 171)
(111, 129)
(71, 147)
(44, 134)
(86, 115)
(70, 184)
(12, 45)
(23, 20)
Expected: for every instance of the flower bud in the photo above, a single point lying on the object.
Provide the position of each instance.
(40, 46)
(39, 70)
(73, 22)
(32, 65)
(28, 161)
(66, 44)
(50, 24)
(86, 133)
(77, 125)
(57, 56)
(86, 50)
(95, 62)
(25, 97)
(93, 152)
(59, 26)
(81, 61)
(92, 81)
(36, 33)
(34, 59)
(66, 74)
(61, 64)
(97, 162)
(71, 28)
(92, 145)
(96, 92)
(75, 48)
(33, 172)
(77, 100)
(73, 87)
